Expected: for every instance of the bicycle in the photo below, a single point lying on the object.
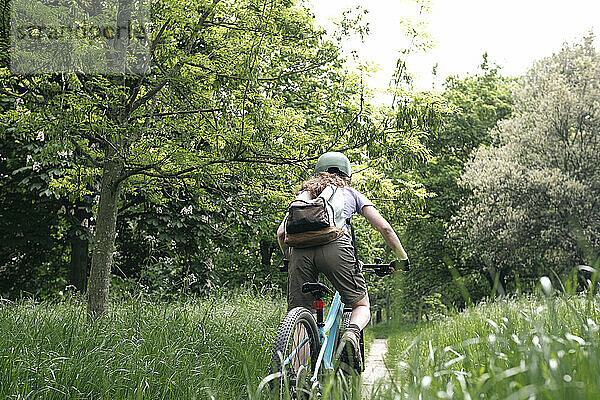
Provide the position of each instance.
(305, 348)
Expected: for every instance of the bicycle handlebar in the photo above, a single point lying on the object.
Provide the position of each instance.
(378, 268)
(381, 269)
(388, 269)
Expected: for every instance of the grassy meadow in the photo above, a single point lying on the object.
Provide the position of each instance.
(532, 347)
(513, 348)
(212, 349)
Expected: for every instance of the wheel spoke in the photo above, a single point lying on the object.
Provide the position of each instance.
(298, 348)
(300, 357)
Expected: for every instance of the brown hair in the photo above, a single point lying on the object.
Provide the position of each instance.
(315, 185)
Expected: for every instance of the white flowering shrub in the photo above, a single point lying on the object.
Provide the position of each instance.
(536, 188)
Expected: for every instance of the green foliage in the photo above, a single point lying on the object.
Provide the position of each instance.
(473, 106)
(205, 150)
(535, 186)
(240, 98)
(33, 230)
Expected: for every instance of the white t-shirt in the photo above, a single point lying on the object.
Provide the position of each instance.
(354, 201)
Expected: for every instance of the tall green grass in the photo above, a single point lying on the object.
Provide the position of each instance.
(514, 348)
(143, 350)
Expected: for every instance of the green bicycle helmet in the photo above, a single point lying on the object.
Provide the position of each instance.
(332, 161)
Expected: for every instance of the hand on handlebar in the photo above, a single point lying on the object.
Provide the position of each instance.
(400, 265)
(405, 265)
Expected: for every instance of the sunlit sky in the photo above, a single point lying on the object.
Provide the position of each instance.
(514, 33)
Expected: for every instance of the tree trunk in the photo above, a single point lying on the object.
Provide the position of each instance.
(266, 252)
(496, 281)
(104, 243)
(78, 273)
(79, 264)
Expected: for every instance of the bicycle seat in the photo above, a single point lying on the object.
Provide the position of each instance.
(318, 290)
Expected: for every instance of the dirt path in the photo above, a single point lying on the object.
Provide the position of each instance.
(375, 372)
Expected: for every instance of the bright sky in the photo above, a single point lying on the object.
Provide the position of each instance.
(514, 33)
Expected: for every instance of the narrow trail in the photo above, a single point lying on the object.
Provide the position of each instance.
(375, 372)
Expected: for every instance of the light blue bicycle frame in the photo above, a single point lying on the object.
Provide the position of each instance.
(327, 333)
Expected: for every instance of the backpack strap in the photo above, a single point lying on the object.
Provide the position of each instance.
(357, 264)
(328, 192)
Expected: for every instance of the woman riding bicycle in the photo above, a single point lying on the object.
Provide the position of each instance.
(336, 259)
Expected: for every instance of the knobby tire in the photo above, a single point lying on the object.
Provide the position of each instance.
(294, 382)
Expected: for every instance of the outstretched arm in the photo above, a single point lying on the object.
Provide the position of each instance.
(386, 230)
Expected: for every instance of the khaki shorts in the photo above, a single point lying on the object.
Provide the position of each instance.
(336, 261)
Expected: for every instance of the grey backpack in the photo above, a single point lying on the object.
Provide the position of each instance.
(314, 222)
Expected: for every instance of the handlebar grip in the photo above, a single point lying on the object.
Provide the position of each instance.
(384, 270)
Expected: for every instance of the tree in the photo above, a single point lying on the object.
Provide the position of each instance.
(535, 189)
(30, 227)
(473, 106)
(38, 224)
(235, 91)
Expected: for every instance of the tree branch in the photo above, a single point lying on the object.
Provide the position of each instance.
(270, 79)
(138, 86)
(178, 174)
(254, 30)
(164, 114)
(176, 67)
(85, 154)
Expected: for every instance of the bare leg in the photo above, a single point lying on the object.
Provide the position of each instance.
(361, 313)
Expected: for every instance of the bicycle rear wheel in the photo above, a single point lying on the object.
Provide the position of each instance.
(294, 354)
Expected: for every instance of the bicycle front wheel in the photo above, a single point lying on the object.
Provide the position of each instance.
(295, 354)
